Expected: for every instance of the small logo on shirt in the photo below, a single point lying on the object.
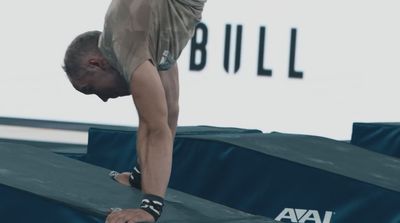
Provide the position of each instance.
(166, 61)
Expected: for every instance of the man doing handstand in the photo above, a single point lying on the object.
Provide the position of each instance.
(136, 55)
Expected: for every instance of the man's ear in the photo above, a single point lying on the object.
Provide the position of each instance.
(94, 62)
(97, 63)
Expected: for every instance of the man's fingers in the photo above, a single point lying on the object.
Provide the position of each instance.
(120, 216)
(111, 216)
(129, 216)
(115, 209)
(121, 219)
(114, 216)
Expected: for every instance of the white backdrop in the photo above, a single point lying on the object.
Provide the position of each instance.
(348, 51)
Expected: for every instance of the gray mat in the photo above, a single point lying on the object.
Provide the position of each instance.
(90, 190)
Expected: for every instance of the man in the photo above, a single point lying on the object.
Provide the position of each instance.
(136, 55)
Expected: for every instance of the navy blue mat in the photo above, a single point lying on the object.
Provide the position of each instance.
(378, 137)
(292, 178)
(115, 149)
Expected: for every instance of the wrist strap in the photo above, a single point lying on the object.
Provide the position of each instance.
(153, 205)
(135, 179)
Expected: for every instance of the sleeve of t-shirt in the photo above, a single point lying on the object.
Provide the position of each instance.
(130, 35)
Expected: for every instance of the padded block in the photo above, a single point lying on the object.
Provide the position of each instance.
(275, 174)
(89, 190)
(378, 137)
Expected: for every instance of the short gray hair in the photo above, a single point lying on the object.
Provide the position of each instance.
(84, 44)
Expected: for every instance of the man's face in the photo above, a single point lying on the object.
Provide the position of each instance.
(105, 82)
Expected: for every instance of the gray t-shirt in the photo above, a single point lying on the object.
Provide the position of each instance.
(155, 30)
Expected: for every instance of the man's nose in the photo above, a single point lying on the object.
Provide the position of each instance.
(103, 98)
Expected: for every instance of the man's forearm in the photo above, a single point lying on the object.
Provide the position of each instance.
(155, 156)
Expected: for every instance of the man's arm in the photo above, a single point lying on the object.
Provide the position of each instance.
(154, 139)
(154, 135)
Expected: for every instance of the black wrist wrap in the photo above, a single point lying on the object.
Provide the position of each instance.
(135, 179)
(153, 205)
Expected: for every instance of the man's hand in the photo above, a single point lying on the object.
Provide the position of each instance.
(129, 216)
(122, 178)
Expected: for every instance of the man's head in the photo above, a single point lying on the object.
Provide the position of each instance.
(89, 71)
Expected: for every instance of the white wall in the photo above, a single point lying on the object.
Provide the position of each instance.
(348, 51)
